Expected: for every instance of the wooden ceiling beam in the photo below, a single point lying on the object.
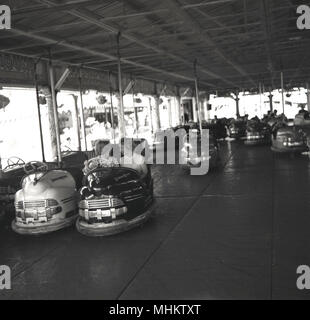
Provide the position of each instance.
(176, 8)
(265, 16)
(75, 47)
(94, 19)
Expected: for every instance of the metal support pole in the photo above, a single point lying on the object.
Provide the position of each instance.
(120, 87)
(271, 101)
(237, 105)
(282, 91)
(197, 96)
(82, 111)
(157, 112)
(39, 111)
(135, 111)
(260, 98)
(179, 106)
(106, 114)
(76, 121)
(112, 107)
(170, 113)
(151, 115)
(180, 109)
(207, 112)
(308, 96)
(55, 111)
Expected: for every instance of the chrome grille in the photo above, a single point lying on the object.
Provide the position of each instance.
(34, 204)
(103, 203)
(98, 204)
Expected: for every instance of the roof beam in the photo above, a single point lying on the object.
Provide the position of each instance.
(177, 8)
(96, 53)
(62, 7)
(204, 4)
(82, 3)
(94, 19)
(265, 15)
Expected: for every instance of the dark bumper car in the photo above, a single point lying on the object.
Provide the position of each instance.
(10, 178)
(194, 159)
(289, 140)
(237, 129)
(218, 129)
(114, 200)
(73, 162)
(258, 133)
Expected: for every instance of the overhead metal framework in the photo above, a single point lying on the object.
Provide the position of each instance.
(237, 43)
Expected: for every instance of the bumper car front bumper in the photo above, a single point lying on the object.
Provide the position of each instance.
(24, 228)
(256, 142)
(114, 227)
(296, 149)
(235, 135)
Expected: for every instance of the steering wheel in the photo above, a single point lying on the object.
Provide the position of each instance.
(67, 149)
(35, 166)
(15, 162)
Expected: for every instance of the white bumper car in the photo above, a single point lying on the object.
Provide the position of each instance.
(47, 201)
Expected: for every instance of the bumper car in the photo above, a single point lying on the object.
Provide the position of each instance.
(302, 119)
(194, 159)
(257, 133)
(12, 175)
(10, 178)
(114, 199)
(289, 140)
(73, 162)
(161, 137)
(47, 201)
(218, 129)
(237, 129)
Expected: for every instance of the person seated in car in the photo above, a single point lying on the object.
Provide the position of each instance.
(304, 112)
(255, 119)
(267, 116)
(215, 120)
(281, 121)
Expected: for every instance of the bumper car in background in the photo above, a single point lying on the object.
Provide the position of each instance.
(161, 137)
(114, 199)
(73, 162)
(218, 129)
(237, 129)
(47, 201)
(289, 140)
(257, 133)
(139, 144)
(301, 119)
(194, 159)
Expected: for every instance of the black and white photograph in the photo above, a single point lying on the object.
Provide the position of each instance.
(155, 151)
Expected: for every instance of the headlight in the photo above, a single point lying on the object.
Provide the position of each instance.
(55, 210)
(19, 205)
